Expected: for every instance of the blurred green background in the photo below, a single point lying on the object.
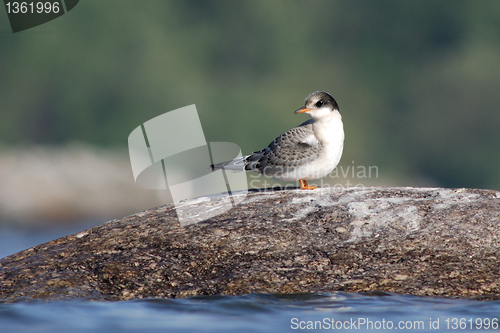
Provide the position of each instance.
(417, 82)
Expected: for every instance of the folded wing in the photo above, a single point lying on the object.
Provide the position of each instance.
(289, 151)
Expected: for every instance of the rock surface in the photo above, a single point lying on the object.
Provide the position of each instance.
(420, 241)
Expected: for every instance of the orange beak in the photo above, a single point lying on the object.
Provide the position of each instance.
(302, 110)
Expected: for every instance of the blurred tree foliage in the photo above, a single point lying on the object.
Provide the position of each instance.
(417, 81)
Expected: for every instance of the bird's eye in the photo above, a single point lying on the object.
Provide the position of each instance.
(319, 104)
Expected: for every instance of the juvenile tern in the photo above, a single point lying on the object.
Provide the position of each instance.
(309, 151)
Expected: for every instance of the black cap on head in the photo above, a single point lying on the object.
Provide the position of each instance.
(320, 99)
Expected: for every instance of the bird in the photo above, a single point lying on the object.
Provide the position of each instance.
(309, 151)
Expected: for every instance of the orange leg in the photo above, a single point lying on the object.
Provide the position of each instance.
(305, 186)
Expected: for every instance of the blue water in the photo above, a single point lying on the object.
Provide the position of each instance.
(355, 312)
(254, 313)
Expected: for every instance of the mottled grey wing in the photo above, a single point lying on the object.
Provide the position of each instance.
(286, 152)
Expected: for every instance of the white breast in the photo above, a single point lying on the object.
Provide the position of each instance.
(330, 132)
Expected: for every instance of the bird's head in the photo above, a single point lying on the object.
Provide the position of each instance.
(319, 105)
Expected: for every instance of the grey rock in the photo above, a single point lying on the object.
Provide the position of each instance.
(420, 241)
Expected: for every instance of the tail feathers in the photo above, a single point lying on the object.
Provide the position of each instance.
(237, 164)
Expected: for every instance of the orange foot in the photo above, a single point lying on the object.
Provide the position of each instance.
(305, 186)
